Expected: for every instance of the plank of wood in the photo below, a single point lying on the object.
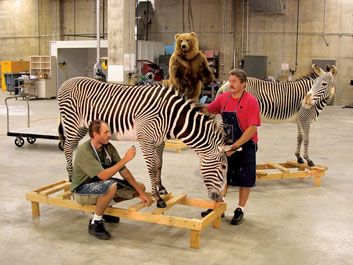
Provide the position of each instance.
(54, 189)
(49, 186)
(261, 173)
(198, 203)
(170, 203)
(278, 166)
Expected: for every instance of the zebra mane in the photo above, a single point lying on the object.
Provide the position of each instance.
(217, 123)
(310, 76)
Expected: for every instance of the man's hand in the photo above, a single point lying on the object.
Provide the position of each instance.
(229, 153)
(130, 154)
(146, 199)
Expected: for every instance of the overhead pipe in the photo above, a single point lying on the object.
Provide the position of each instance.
(224, 31)
(247, 28)
(323, 31)
(242, 30)
(296, 40)
(136, 36)
(97, 66)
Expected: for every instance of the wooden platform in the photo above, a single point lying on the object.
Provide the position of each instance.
(175, 145)
(289, 170)
(59, 194)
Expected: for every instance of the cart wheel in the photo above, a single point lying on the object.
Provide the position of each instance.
(61, 145)
(31, 140)
(19, 141)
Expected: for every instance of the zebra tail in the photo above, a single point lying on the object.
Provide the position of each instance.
(61, 130)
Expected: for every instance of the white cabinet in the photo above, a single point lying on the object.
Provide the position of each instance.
(43, 69)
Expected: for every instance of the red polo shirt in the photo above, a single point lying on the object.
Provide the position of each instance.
(248, 110)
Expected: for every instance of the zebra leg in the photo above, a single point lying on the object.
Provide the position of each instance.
(150, 154)
(72, 138)
(159, 162)
(299, 143)
(306, 144)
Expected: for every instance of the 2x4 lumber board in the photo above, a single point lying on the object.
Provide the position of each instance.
(170, 203)
(195, 239)
(141, 205)
(278, 166)
(203, 204)
(66, 195)
(49, 186)
(54, 189)
(261, 173)
(125, 213)
(262, 166)
(296, 164)
(157, 219)
(214, 215)
(291, 175)
(317, 167)
(35, 209)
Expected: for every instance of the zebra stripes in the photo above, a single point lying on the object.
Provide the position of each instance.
(321, 93)
(149, 114)
(281, 102)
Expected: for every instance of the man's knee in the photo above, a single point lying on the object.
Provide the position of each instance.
(112, 189)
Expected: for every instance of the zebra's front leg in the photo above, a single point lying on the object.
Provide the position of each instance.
(299, 143)
(159, 162)
(150, 154)
(306, 145)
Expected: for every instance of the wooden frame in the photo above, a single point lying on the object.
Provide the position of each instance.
(289, 170)
(59, 194)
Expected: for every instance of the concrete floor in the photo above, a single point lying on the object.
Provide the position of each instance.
(287, 222)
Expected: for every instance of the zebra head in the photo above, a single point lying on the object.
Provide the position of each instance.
(213, 161)
(322, 90)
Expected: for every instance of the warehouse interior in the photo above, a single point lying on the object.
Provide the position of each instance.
(292, 221)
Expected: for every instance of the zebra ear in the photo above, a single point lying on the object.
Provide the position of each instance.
(317, 70)
(333, 70)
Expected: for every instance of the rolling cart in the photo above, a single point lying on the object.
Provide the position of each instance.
(31, 137)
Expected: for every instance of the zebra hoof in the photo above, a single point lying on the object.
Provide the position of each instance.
(300, 160)
(163, 192)
(161, 204)
(311, 163)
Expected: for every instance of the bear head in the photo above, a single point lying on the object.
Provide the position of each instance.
(187, 45)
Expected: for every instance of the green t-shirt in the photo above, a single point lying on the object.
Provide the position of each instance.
(87, 165)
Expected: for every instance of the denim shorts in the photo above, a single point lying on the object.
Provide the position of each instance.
(89, 193)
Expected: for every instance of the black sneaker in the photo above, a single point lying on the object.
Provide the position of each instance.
(205, 213)
(238, 217)
(97, 229)
(111, 219)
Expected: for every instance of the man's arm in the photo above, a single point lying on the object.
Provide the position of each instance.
(126, 174)
(111, 171)
(246, 136)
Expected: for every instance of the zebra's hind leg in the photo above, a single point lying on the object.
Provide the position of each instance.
(159, 162)
(71, 142)
(299, 143)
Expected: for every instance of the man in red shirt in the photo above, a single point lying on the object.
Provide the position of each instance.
(241, 115)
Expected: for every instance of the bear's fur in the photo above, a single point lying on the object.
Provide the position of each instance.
(188, 66)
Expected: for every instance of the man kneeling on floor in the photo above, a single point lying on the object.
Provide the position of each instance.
(96, 162)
